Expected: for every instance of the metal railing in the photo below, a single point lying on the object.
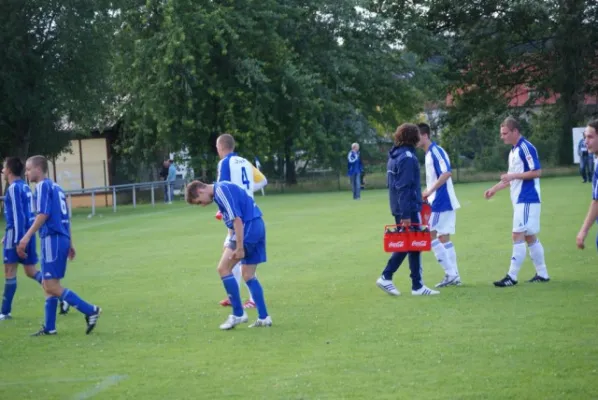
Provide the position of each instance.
(125, 189)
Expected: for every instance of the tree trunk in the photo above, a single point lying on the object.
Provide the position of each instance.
(23, 140)
(291, 174)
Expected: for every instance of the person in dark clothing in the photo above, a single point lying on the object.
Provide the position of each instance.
(405, 195)
(164, 176)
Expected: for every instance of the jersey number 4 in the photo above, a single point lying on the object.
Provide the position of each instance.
(244, 178)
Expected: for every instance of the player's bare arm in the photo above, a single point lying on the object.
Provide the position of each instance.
(496, 188)
(441, 181)
(40, 219)
(239, 252)
(587, 224)
(524, 176)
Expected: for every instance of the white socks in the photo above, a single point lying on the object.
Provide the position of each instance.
(443, 257)
(517, 259)
(450, 250)
(536, 253)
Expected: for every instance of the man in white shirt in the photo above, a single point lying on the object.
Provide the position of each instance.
(440, 193)
(523, 179)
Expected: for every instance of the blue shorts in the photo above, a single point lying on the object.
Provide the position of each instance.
(55, 252)
(10, 251)
(254, 242)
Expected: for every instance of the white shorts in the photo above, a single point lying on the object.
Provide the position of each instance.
(443, 222)
(526, 218)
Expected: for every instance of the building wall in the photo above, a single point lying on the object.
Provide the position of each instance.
(85, 166)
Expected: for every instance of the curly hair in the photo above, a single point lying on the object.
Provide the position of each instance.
(407, 134)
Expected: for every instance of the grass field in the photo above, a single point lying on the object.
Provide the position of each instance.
(335, 334)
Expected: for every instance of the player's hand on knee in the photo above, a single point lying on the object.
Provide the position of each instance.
(72, 253)
(21, 248)
(238, 254)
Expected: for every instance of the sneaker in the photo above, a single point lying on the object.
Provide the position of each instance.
(44, 332)
(4, 317)
(425, 291)
(225, 302)
(447, 281)
(259, 323)
(249, 304)
(64, 308)
(387, 286)
(505, 282)
(233, 321)
(92, 320)
(538, 278)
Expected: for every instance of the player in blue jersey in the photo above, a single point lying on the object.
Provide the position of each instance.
(440, 193)
(247, 244)
(591, 139)
(18, 214)
(523, 178)
(54, 226)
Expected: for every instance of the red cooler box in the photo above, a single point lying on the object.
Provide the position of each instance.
(397, 240)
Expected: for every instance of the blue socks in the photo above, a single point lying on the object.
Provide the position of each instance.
(10, 287)
(258, 297)
(76, 301)
(50, 319)
(232, 289)
(37, 277)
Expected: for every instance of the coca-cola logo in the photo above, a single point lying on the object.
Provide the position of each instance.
(396, 244)
(420, 243)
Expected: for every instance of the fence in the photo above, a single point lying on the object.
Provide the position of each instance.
(151, 193)
(114, 196)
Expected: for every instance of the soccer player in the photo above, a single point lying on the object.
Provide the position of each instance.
(52, 221)
(247, 244)
(238, 170)
(405, 195)
(440, 193)
(18, 215)
(591, 141)
(523, 178)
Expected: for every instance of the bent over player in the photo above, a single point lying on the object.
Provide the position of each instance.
(247, 244)
(523, 179)
(54, 225)
(238, 170)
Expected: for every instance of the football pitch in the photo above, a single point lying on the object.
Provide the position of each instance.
(335, 334)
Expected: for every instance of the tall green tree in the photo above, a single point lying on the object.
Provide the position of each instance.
(53, 72)
(490, 47)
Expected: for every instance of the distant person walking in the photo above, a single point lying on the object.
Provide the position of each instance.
(170, 180)
(354, 170)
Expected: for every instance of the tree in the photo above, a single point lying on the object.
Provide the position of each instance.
(489, 48)
(53, 72)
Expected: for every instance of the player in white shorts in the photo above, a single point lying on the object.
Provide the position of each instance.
(523, 179)
(440, 193)
(242, 173)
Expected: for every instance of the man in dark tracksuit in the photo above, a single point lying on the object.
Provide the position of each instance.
(404, 191)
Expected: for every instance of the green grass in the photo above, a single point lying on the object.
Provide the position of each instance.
(335, 334)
